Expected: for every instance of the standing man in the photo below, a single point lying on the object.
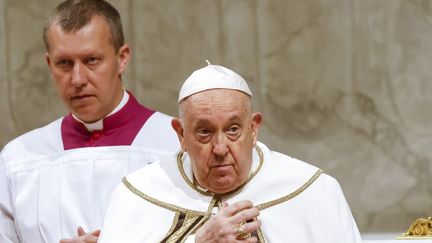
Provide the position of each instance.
(58, 177)
(225, 186)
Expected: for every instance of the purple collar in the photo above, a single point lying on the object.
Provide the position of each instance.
(120, 128)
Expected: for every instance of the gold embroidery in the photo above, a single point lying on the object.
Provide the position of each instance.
(189, 220)
(191, 215)
(203, 220)
(291, 195)
(260, 236)
(173, 225)
(194, 229)
(263, 206)
(159, 203)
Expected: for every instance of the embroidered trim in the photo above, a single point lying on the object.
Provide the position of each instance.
(159, 203)
(188, 222)
(203, 220)
(260, 235)
(173, 225)
(292, 194)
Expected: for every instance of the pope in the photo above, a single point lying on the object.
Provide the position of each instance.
(225, 186)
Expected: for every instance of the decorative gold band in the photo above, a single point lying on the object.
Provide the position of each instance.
(293, 194)
(159, 203)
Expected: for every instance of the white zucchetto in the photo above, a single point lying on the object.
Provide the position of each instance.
(212, 77)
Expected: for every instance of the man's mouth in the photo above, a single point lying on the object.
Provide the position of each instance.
(79, 97)
(221, 166)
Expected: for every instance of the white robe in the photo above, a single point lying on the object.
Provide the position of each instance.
(149, 212)
(46, 192)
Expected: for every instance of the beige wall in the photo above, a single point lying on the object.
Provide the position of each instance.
(344, 85)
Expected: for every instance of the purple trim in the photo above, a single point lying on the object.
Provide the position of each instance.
(120, 128)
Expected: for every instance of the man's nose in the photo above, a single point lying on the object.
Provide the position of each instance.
(220, 146)
(79, 77)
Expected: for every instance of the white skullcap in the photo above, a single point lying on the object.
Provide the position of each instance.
(212, 77)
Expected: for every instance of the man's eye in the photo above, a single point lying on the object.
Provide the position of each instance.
(92, 60)
(203, 132)
(234, 129)
(64, 63)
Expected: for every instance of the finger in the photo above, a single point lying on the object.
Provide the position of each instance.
(252, 239)
(252, 226)
(249, 227)
(96, 233)
(245, 215)
(67, 241)
(236, 207)
(91, 239)
(80, 231)
(247, 239)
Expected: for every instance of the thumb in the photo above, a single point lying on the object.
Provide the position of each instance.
(80, 231)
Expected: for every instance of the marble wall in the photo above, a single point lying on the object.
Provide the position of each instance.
(342, 84)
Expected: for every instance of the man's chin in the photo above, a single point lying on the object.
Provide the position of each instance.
(86, 115)
(223, 185)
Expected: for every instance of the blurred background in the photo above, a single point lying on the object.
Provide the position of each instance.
(343, 84)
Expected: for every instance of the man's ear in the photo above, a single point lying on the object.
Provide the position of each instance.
(124, 55)
(47, 59)
(256, 124)
(178, 128)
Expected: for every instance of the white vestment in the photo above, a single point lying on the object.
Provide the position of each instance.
(46, 192)
(297, 203)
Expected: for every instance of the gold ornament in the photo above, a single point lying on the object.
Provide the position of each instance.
(420, 228)
(241, 233)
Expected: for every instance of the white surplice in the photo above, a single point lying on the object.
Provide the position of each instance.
(46, 192)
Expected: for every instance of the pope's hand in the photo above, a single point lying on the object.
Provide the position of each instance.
(83, 237)
(233, 223)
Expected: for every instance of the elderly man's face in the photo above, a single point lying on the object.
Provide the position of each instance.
(218, 131)
(86, 68)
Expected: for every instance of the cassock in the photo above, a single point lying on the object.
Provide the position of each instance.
(61, 176)
(297, 201)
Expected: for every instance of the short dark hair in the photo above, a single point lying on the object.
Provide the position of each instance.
(72, 15)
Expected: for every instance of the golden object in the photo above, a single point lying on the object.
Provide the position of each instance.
(420, 229)
(241, 233)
